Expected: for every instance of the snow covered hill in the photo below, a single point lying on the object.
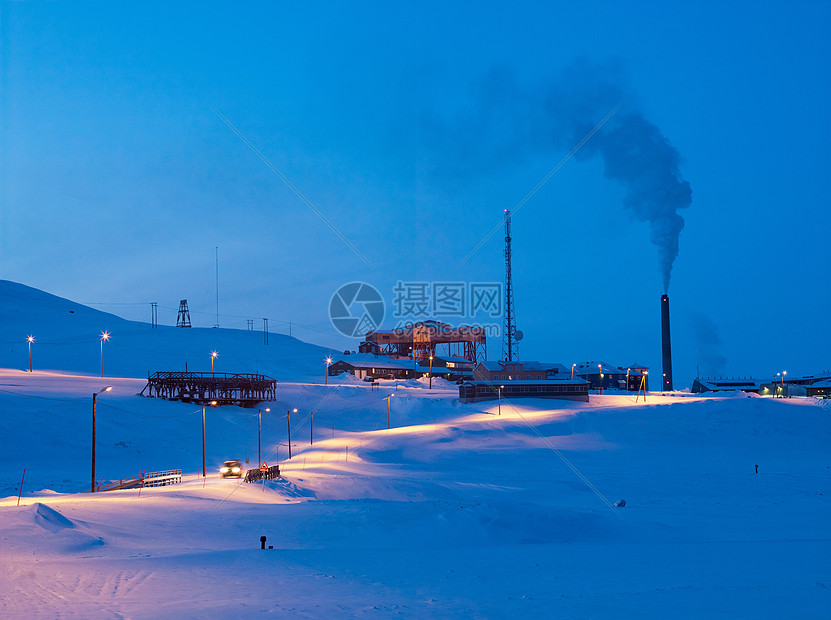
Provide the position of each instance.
(67, 337)
(455, 510)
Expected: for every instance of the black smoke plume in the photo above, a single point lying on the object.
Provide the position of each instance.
(505, 120)
(634, 151)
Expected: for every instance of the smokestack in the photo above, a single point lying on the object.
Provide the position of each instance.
(666, 349)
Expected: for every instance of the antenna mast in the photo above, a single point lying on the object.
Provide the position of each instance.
(510, 348)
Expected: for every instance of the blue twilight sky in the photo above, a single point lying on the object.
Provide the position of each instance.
(411, 128)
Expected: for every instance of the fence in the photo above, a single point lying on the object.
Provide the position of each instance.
(145, 479)
(254, 475)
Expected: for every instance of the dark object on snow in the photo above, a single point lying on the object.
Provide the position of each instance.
(270, 473)
(757, 469)
(620, 503)
(262, 542)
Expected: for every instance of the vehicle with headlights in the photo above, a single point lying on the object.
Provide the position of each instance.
(231, 469)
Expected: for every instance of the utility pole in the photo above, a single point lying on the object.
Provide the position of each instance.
(204, 473)
(431, 373)
(94, 398)
(92, 485)
(388, 412)
(288, 418)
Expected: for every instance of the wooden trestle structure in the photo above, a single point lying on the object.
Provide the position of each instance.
(241, 389)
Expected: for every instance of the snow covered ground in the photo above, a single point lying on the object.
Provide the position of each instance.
(454, 510)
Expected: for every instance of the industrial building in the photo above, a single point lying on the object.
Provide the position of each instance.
(780, 386)
(421, 349)
(516, 371)
(450, 368)
(603, 376)
(374, 368)
(564, 389)
(426, 338)
(726, 385)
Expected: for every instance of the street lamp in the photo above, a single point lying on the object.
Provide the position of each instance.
(572, 371)
(104, 336)
(499, 395)
(94, 397)
(288, 417)
(30, 340)
(780, 385)
(259, 433)
(431, 373)
(326, 378)
(600, 371)
(212, 403)
(214, 355)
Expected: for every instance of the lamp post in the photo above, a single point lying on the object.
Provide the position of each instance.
(572, 371)
(104, 336)
(288, 418)
(499, 395)
(784, 372)
(600, 372)
(204, 473)
(326, 378)
(431, 373)
(214, 355)
(94, 398)
(259, 434)
(627, 380)
(30, 340)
